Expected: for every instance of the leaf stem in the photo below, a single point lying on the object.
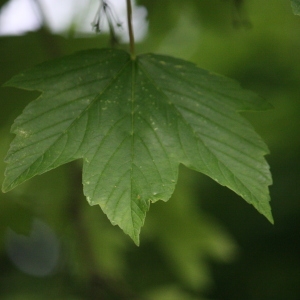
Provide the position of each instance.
(129, 22)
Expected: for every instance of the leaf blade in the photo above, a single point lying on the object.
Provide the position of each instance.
(207, 114)
(133, 122)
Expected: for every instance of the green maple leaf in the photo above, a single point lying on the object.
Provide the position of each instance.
(133, 122)
(296, 6)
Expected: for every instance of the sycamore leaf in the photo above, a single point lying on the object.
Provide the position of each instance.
(133, 122)
(296, 6)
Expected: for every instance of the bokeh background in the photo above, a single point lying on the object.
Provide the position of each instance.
(205, 243)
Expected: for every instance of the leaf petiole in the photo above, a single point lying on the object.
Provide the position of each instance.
(131, 35)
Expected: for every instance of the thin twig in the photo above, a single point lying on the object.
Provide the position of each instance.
(48, 40)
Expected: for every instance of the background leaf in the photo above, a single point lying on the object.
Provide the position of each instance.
(296, 6)
(133, 122)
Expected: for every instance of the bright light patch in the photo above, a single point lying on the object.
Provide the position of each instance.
(20, 16)
(60, 15)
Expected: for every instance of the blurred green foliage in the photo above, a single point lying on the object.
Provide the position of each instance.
(206, 242)
(296, 6)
